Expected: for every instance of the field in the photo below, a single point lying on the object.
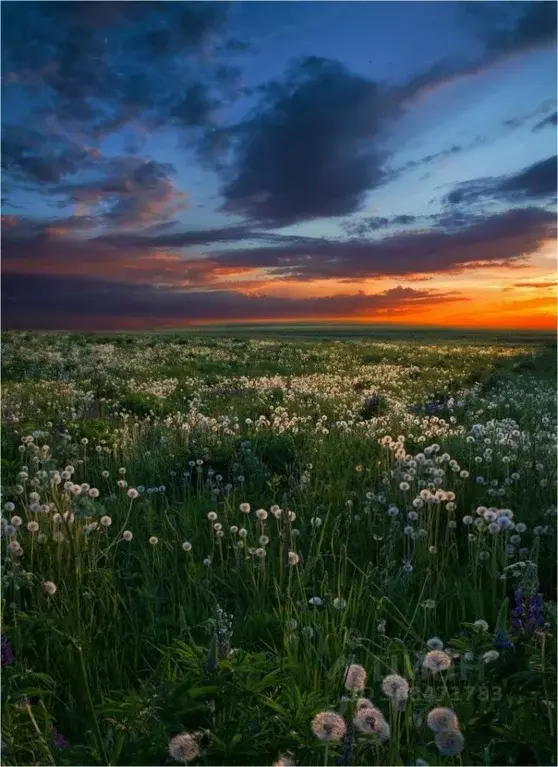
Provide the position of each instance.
(224, 536)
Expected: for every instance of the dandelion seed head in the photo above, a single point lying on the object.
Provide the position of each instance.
(355, 678)
(105, 521)
(184, 748)
(294, 559)
(442, 719)
(450, 742)
(49, 588)
(436, 660)
(327, 725)
(395, 687)
(435, 643)
(369, 720)
(127, 535)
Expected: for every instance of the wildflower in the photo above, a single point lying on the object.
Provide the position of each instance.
(9, 507)
(153, 540)
(132, 493)
(50, 588)
(363, 703)
(184, 748)
(481, 624)
(449, 742)
(435, 643)
(16, 521)
(316, 601)
(442, 719)
(58, 740)
(264, 540)
(355, 678)
(33, 527)
(294, 559)
(243, 532)
(490, 656)
(328, 725)
(207, 562)
(187, 546)
(127, 535)
(93, 493)
(467, 520)
(6, 650)
(212, 516)
(339, 603)
(436, 660)
(395, 687)
(105, 521)
(370, 720)
(527, 614)
(291, 516)
(15, 548)
(105, 474)
(260, 553)
(261, 514)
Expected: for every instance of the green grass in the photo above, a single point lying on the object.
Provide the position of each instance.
(144, 640)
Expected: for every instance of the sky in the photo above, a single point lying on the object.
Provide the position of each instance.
(167, 164)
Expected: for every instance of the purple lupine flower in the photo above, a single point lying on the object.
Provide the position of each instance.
(58, 740)
(527, 615)
(7, 652)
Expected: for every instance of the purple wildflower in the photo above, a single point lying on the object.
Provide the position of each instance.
(527, 615)
(58, 740)
(7, 652)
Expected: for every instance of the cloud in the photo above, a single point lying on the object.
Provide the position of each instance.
(451, 245)
(132, 192)
(99, 67)
(54, 302)
(530, 26)
(375, 223)
(311, 149)
(30, 156)
(540, 284)
(537, 182)
(548, 122)
(497, 240)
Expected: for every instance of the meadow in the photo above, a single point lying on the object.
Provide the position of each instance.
(234, 549)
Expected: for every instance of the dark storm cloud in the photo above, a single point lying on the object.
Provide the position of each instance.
(55, 302)
(537, 182)
(548, 122)
(311, 149)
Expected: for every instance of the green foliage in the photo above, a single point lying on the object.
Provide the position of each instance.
(241, 640)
